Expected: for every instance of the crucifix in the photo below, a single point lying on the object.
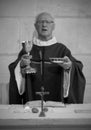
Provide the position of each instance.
(42, 93)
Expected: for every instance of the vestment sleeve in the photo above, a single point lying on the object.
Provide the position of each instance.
(77, 81)
(14, 96)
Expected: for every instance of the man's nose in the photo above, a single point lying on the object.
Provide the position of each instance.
(44, 23)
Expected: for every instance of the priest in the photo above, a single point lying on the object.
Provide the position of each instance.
(57, 71)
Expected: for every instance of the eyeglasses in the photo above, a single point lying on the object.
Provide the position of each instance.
(44, 21)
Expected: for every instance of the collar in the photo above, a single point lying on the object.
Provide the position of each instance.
(38, 42)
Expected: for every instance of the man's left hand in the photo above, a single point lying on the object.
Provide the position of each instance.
(66, 64)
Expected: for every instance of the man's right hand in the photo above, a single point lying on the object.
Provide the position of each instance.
(25, 61)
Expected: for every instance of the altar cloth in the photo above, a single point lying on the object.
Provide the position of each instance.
(68, 111)
(70, 116)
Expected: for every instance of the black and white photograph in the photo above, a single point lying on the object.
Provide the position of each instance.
(45, 64)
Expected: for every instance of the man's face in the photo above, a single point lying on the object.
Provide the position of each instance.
(44, 26)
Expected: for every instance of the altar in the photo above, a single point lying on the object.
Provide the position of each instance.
(67, 117)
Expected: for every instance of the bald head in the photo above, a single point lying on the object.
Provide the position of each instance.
(44, 14)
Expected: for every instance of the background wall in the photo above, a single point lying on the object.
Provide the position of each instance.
(73, 28)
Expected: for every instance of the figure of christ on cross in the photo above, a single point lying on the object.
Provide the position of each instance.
(42, 93)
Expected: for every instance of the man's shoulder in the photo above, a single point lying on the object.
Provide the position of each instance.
(61, 45)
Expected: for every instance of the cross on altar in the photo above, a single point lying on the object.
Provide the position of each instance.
(42, 93)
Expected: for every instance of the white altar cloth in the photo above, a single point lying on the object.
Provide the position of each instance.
(68, 111)
(69, 116)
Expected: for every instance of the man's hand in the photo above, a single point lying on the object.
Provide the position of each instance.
(66, 64)
(25, 60)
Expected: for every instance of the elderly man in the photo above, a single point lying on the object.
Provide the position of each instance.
(57, 71)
